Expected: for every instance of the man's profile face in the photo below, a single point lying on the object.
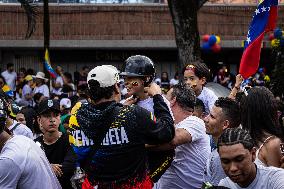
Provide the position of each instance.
(133, 85)
(214, 122)
(237, 163)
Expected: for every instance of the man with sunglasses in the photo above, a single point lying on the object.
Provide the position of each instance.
(138, 73)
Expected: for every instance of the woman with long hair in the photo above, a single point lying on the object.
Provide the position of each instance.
(259, 117)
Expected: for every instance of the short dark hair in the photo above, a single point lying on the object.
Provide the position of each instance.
(37, 96)
(85, 67)
(30, 117)
(67, 88)
(68, 76)
(10, 65)
(230, 109)
(185, 96)
(200, 69)
(97, 93)
(199, 105)
(233, 136)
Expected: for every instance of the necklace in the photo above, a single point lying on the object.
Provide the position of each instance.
(49, 143)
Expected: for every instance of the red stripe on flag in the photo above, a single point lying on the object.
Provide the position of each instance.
(52, 75)
(250, 58)
(272, 19)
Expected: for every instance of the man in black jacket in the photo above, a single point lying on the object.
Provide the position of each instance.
(110, 138)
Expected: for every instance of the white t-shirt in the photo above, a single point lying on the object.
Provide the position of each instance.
(148, 104)
(24, 165)
(208, 97)
(27, 90)
(58, 91)
(187, 168)
(266, 178)
(10, 79)
(42, 89)
(174, 81)
(20, 129)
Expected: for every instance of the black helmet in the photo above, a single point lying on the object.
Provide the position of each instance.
(138, 66)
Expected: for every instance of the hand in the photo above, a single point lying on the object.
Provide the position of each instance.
(239, 80)
(153, 89)
(130, 100)
(57, 169)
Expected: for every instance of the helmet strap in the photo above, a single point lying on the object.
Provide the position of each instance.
(147, 81)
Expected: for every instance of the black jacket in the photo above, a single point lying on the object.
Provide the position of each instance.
(121, 157)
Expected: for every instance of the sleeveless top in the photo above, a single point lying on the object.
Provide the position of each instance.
(257, 161)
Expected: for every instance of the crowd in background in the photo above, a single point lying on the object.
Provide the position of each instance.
(179, 134)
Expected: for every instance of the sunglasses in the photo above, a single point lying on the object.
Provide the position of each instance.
(134, 83)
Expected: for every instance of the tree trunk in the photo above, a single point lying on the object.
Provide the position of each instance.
(184, 16)
(46, 25)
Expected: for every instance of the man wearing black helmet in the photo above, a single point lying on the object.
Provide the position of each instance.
(139, 72)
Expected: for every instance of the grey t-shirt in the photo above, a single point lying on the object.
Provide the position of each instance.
(24, 165)
(266, 178)
(214, 171)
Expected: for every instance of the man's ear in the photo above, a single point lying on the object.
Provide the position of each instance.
(203, 80)
(253, 153)
(226, 124)
(116, 89)
(38, 120)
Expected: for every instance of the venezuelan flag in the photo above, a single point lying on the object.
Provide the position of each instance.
(264, 20)
(47, 65)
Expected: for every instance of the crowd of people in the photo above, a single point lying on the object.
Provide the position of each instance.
(225, 78)
(127, 129)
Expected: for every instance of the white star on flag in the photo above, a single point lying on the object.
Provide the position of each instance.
(257, 12)
(263, 9)
(248, 40)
